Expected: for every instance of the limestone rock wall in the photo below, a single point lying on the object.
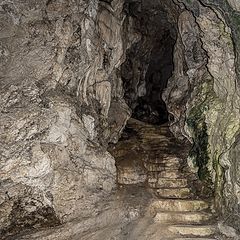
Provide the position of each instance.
(62, 99)
(61, 102)
(234, 4)
(203, 96)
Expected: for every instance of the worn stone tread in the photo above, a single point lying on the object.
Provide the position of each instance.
(177, 209)
(168, 183)
(180, 205)
(194, 239)
(183, 217)
(167, 173)
(164, 159)
(192, 230)
(174, 193)
(157, 167)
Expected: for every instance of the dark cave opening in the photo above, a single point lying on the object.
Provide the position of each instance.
(151, 107)
(149, 65)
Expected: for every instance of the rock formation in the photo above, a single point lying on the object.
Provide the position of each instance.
(61, 102)
(72, 72)
(203, 95)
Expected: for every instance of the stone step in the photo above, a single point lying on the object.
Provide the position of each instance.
(183, 217)
(150, 128)
(157, 149)
(161, 168)
(168, 183)
(174, 193)
(194, 239)
(156, 143)
(192, 230)
(167, 173)
(153, 167)
(152, 136)
(130, 175)
(180, 205)
(165, 160)
(149, 131)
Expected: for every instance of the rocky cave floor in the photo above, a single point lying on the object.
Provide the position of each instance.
(158, 197)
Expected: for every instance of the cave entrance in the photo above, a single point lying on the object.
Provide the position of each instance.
(150, 106)
(148, 156)
(146, 143)
(149, 63)
(147, 153)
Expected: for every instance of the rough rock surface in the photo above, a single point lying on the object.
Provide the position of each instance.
(203, 96)
(58, 73)
(234, 4)
(157, 210)
(62, 79)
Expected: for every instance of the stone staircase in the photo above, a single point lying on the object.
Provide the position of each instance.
(176, 206)
(169, 178)
(185, 218)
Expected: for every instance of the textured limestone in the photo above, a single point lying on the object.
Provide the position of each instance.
(203, 96)
(62, 98)
(58, 69)
(235, 4)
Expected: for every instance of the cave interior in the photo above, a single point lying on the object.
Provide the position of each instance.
(149, 63)
(119, 119)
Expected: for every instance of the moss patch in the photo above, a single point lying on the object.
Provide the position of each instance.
(196, 122)
(200, 148)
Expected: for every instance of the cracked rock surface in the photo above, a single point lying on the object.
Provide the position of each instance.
(58, 71)
(72, 72)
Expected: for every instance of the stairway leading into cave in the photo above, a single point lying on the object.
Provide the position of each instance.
(150, 156)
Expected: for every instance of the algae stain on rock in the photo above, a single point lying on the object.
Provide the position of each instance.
(197, 124)
(199, 152)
